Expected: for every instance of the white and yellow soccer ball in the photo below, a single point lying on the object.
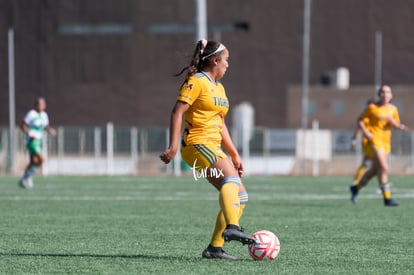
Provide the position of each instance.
(268, 247)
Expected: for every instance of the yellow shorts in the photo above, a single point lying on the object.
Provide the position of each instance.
(200, 156)
(368, 150)
(378, 145)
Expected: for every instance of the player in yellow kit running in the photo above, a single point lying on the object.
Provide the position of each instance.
(381, 117)
(204, 104)
(366, 148)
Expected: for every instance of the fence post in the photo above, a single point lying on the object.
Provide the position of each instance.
(315, 149)
(412, 150)
(134, 147)
(266, 148)
(109, 148)
(97, 142)
(45, 165)
(60, 147)
(82, 137)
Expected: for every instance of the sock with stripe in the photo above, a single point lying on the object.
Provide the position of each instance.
(229, 199)
(360, 172)
(217, 239)
(244, 198)
(386, 192)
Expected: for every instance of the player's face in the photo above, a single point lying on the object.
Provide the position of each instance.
(41, 105)
(386, 94)
(223, 64)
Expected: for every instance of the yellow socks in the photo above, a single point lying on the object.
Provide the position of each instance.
(386, 192)
(217, 240)
(229, 199)
(244, 198)
(360, 172)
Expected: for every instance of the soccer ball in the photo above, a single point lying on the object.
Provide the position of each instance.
(269, 246)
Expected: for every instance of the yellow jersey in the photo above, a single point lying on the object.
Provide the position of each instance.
(379, 124)
(208, 107)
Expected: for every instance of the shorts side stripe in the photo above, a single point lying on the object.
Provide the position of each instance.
(206, 152)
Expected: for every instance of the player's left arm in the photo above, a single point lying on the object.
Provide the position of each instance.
(231, 149)
(50, 130)
(403, 127)
(396, 123)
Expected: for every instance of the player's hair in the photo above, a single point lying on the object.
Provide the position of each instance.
(203, 53)
(38, 99)
(370, 101)
(381, 88)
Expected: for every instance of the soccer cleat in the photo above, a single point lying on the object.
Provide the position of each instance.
(235, 233)
(354, 193)
(26, 183)
(29, 183)
(21, 183)
(212, 252)
(391, 202)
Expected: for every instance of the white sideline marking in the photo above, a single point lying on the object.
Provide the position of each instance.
(253, 197)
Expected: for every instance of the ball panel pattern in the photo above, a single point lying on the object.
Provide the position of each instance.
(269, 246)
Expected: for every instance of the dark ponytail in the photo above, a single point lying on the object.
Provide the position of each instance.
(201, 57)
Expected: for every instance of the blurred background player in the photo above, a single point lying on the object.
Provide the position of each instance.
(381, 118)
(367, 151)
(33, 125)
(204, 104)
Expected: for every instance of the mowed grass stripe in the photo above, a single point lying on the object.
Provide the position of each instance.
(186, 189)
(310, 197)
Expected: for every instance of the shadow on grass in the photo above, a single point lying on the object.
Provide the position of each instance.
(87, 255)
(107, 256)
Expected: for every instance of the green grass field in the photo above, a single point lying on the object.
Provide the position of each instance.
(160, 225)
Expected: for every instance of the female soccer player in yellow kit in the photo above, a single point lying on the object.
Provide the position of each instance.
(367, 151)
(381, 118)
(204, 104)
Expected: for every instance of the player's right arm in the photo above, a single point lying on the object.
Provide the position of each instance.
(24, 127)
(354, 136)
(177, 113)
(365, 130)
(362, 123)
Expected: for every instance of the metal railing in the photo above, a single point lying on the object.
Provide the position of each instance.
(113, 150)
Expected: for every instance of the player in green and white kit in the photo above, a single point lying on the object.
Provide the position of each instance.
(34, 123)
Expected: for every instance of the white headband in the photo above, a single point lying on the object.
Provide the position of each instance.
(203, 45)
(219, 49)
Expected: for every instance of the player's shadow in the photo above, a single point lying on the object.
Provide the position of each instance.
(89, 255)
(103, 256)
